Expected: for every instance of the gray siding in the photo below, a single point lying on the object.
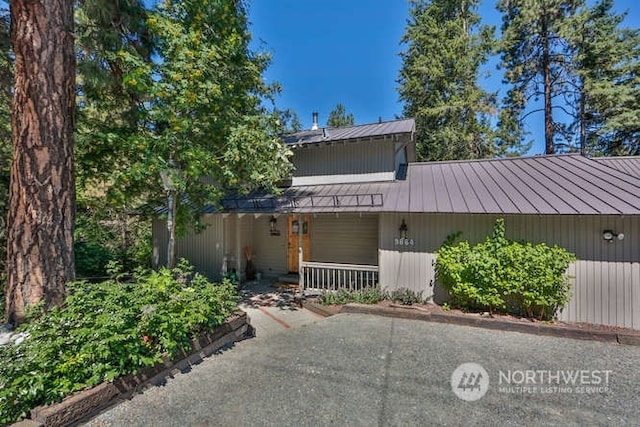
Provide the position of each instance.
(346, 239)
(238, 233)
(270, 252)
(345, 159)
(606, 283)
(204, 250)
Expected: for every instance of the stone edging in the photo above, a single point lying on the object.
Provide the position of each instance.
(83, 404)
(497, 324)
(317, 308)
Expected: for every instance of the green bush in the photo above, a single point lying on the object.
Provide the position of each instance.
(367, 295)
(107, 330)
(499, 275)
(406, 296)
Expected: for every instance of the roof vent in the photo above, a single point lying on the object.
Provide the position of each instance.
(314, 126)
(325, 133)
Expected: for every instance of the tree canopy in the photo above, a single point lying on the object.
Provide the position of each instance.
(583, 65)
(339, 117)
(445, 48)
(168, 93)
(607, 72)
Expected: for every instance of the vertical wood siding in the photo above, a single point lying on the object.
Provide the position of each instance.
(159, 239)
(205, 250)
(345, 159)
(270, 251)
(345, 239)
(606, 283)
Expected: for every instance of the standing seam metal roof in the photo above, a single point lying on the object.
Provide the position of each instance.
(542, 185)
(629, 164)
(403, 126)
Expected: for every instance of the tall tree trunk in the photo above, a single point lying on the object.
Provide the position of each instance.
(42, 193)
(546, 70)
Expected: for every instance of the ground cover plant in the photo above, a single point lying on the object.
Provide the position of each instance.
(107, 330)
(371, 295)
(367, 295)
(500, 275)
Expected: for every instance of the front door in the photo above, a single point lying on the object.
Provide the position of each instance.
(299, 234)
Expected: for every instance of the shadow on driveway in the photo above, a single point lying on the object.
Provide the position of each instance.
(354, 369)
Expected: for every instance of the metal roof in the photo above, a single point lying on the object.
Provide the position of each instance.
(629, 164)
(542, 185)
(327, 135)
(563, 184)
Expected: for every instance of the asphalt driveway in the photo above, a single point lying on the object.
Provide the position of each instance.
(355, 369)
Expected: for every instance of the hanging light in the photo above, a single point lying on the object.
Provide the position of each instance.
(273, 226)
(403, 230)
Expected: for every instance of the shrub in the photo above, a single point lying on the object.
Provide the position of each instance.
(107, 330)
(505, 276)
(367, 295)
(406, 296)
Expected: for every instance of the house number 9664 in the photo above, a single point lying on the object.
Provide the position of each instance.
(403, 242)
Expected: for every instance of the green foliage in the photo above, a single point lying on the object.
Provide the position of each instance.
(499, 275)
(170, 89)
(575, 56)
(289, 120)
(105, 234)
(444, 49)
(107, 330)
(339, 117)
(406, 296)
(367, 295)
(607, 71)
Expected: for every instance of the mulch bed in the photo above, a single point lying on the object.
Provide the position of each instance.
(501, 321)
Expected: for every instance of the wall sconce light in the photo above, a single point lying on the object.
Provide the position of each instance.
(403, 230)
(610, 235)
(273, 226)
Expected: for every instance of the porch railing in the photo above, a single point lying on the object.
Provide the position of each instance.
(323, 276)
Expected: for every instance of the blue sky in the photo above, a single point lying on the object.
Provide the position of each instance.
(331, 51)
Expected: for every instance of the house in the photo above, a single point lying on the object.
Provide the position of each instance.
(359, 210)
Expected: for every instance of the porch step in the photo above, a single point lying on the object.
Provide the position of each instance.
(290, 278)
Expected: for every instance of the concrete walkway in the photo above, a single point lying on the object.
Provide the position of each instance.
(272, 310)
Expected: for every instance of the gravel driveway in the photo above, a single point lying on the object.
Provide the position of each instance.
(355, 369)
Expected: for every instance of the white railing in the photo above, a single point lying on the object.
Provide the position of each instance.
(323, 276)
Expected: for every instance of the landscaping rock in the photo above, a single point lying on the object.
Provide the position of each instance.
(6, 332)
(5, 338)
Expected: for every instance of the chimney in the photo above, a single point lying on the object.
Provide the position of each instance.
(314, 126)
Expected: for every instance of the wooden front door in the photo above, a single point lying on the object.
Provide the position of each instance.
(299, 234)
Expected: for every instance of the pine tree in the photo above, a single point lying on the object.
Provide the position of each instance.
(584, 67)
(607, 68)
(339, 117)
(445, 46)
(538, 63)
(6, 84)
(41, 216)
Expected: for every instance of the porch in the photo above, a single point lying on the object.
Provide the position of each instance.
(323, 252)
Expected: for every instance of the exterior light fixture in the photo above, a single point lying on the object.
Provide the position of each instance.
(403, 230)
(273, 226)
(610, 236)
